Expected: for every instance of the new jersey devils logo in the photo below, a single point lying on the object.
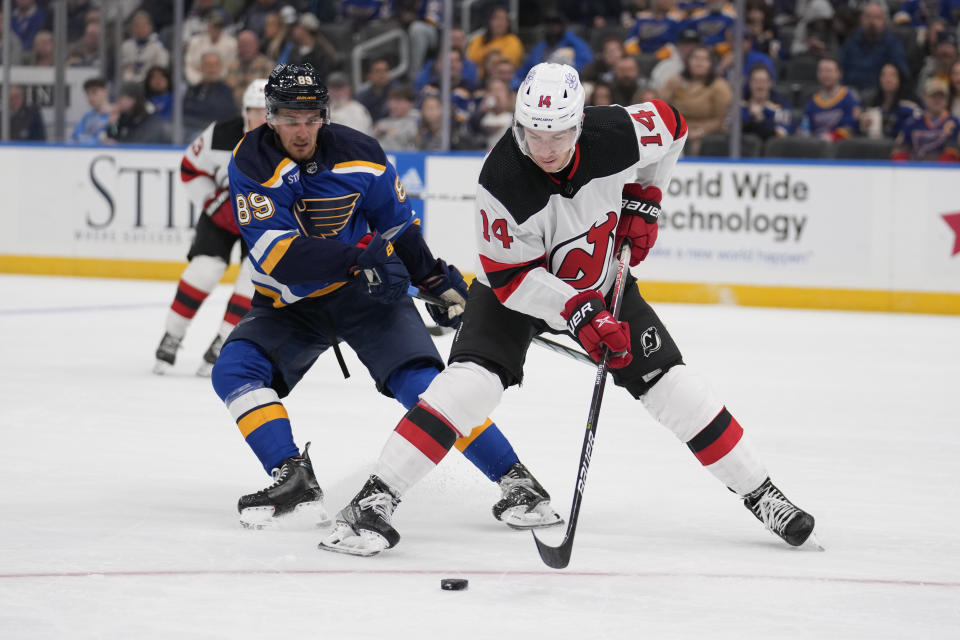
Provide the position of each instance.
(584, 268)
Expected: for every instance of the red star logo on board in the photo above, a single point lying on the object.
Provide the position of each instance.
(953, 219)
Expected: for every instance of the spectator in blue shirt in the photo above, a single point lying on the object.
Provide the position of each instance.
(458, 41)
(833, 112)
(94, 122)
(158, 89)
(26, 20)
(870, 47)
(556, 36)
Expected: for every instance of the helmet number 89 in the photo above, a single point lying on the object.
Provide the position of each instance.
(304, 80)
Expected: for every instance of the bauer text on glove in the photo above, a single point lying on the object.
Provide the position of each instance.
(639, 215)
(588, 319)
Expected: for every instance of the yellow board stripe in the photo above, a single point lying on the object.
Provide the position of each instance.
(259, 417)
(466, 441)
(276, 253)
(684, 292)
(359, 163)
(100, 268)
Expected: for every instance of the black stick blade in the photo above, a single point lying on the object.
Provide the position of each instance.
(555, 557)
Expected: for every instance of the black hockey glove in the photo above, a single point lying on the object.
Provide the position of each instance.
(384, 274)
(446, 282)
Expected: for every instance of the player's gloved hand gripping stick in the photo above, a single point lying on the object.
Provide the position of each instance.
(558, 557)
(446, 284)
(382, 270)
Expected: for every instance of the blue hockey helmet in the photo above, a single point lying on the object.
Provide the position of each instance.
(296, 86)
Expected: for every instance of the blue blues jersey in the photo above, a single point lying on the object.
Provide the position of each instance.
(835, 116)
(712, 26)
(302, 221)
(649, 33)
(926, 138)
(917, 12)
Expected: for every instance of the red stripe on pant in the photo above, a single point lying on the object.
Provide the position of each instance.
(722, 445)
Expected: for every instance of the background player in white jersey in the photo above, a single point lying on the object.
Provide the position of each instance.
(203, 171)
(557, 196)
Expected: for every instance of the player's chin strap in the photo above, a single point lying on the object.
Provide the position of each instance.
(546, 343)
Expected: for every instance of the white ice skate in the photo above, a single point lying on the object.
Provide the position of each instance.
(524, 504)
(363, 527)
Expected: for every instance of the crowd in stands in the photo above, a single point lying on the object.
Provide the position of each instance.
(828, 71)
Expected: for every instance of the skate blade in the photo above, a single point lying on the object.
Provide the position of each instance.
(305, 516)
(204, 370)
(541, 516)
(812, 543)
(344, 540)
(160, 367)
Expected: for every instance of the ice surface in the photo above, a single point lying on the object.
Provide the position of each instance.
(119, 516)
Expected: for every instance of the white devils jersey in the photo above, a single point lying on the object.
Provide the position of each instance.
(203, 168)
(544, 237)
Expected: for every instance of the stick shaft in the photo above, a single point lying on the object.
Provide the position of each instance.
(559, 557)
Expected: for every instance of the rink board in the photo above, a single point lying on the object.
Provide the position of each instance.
(873, 236)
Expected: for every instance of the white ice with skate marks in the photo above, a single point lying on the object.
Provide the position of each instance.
(120, 489)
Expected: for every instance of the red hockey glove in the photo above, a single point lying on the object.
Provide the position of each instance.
(639, 213)
(220, 210)
(588, 319)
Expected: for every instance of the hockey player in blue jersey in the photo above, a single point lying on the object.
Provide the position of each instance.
(305, 193)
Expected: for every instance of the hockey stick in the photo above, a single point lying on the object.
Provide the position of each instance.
(547, 343)
(559, 557)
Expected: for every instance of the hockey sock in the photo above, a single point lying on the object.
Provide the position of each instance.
(238, 378)
(721, 448)
(486, 446)
(415, 447)
(237, 307)
(683, 402)
(197, 281)
(488, 449)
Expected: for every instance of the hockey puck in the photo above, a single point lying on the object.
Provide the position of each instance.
(453, 584)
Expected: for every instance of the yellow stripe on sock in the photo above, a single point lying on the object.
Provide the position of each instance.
(466, 441)
(259, 417)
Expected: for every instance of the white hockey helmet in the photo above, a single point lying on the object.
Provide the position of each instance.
(551, 99)
(253, 97)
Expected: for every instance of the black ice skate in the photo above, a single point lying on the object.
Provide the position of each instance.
(210, 357)
(363, 527)
(525, 504)
(779, 515)
(294, 498)
(166, 353)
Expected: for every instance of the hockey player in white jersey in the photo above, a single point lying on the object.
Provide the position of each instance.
(557, 196)
(203, 171)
